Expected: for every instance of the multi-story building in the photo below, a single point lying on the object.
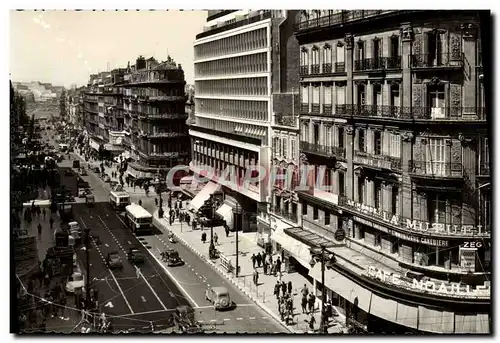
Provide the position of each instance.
(394, 127)
(155, 117)
(233, 106)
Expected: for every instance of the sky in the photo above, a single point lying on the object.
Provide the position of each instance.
(65, 47)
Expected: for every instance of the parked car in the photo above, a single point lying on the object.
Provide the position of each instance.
(75, 282)
(172, 258)
(219, 297)
(184, 320)
(113, 260)
(135, 256)
(96, 170)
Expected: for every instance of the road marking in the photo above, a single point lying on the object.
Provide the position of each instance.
(129, 242)
(159, 250)
(251, 317)
(171, 294)
(109, 304)
(226, 319)
(239, 318)
(143, 299)
(169, 274)
(121, 291)
(213, 320)
(264, 317)
(106, 244)
(151, 288)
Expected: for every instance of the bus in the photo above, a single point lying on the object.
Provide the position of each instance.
(119, 200)
(138, 219)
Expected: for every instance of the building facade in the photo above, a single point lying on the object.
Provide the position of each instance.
(231, 137)
(394, 135)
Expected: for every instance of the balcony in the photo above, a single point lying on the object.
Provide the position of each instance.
(148, 116)
(288, 121)
(304, 108)
(378, 63)
(327, 68)
(484, 169)
(167, 98)
(327, 109)
(377, 161)
(340, 67)
(323, 150)
(315, 108)
(443, 60)
(340, 18)
(433, 169)
(304, 70)
(266, 15)
(315, 69)
(162, 134)
(284, 213)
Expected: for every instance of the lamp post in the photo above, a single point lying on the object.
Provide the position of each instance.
(212, 204)
(321, 256)
(87, 279)
(237, 210)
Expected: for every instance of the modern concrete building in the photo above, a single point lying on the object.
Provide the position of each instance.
(235, 58)
(393, 123)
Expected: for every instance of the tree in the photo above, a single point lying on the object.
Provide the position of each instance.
(62, 104)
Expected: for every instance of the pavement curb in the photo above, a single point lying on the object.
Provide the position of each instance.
(225, 274)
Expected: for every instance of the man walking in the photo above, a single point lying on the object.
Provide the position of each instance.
(51, 222)
(226, 228)
(277, 290)
(259, 259)
(254, 259)
(278, 265)
(255, 277)
(216, 238)
(311, 301)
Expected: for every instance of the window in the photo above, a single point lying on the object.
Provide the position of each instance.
(304, 58)
(341, 137)
(285, 146)
(340, 54)
(341, 182)
(340, 89)
(280, 147)
(327, 92)
(315, 213)
(436, 208)
(327, 218)
(327, 184)
(315, 134)
(361, 190)
(328, 135)
(394, 145)
(395, 199)
(485, 152)
(436, 47)
(361, 140)
(378, 193)
(361, 51)
(394, 46)
(377, 95)
(275, 145)
(436, 157)
(378, 142)
(316, 89)
(436, 101)
(292, 148)
(304, 95)
(487, 212)
(315, 56)
(377, 51)
(327, 55)
(361, 95)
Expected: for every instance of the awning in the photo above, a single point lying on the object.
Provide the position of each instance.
(39, 203)
(298, 250)
(200, 198)
(469, 323)
(436, 321)
(482, 323)
(344, 287)
(383, 308)
(226, 212)
(111, 147)
(407, 315)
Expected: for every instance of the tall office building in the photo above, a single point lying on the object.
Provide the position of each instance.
(237, 64)
(393, 122)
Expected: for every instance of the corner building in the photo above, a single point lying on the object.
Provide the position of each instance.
(393, 120)
(233, 106)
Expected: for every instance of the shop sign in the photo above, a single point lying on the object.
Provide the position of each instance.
(339, 235)
(472, 245)
(421, 285)
(418, 239)
(414, 225)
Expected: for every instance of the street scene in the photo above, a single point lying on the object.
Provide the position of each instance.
(280, 172)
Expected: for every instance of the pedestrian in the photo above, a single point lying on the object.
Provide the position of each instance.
(289, 287)
(43, 212)
(290, 306)
(156, 201)
(278, 264)
(264, 266)
(226, 228)
(256, 277)
(264, 257)
(311, 301)
(312, 321)
(277, 290)
(303, 303)
(39, 229)
(283, 287)
(216, 238)
(204, 237)
(259, 259)
(282, 310)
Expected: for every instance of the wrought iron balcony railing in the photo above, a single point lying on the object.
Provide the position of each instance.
(339, 18)
(413, 113)
(314, 69)
(378, 161)
(322, 149)
(315, 108)
(447, 59)
(378, 63)
(327, 68)
(340, 67)
(436, 169)
(290, 121)
(327, 109)
(304, 70)
(304, 108)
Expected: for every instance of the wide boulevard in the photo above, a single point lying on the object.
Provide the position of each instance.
(142, 299)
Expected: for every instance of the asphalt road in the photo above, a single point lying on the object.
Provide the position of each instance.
(140, 302)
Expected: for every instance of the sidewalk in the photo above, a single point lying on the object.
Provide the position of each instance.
(262, 294)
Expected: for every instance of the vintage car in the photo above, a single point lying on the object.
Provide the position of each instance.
(172, 258)
(134, 255)
(75, 282)
(113, 260)
(184, 320)
(219, 297)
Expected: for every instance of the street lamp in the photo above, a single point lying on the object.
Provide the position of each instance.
(237, 210)
(212, 203)
(321, 256)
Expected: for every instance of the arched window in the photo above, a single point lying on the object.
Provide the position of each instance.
(327, 54)
(305, 132)
(304, 57)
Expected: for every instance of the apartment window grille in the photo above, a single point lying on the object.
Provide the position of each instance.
(378, 142)
(436, 157)
(285, 145)
(378, 193)
(293, 148)
(361, 140)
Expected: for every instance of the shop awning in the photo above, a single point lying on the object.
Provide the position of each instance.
(431, 320)
(297, 249)
(308, 237)
(383, 308)
(471, 323)
(226, 212)
(482, 323)
(407, 315)
(344, 287)
(111, 147)
(200, 198)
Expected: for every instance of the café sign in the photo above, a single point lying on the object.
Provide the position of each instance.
(416, 225)
(427, 285)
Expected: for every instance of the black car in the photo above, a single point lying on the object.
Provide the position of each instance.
(134, 255)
